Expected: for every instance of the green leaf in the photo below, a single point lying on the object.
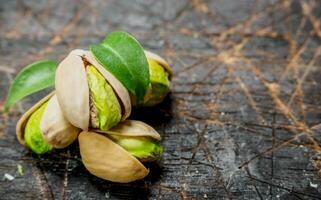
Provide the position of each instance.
(123, 56)
(31, 79)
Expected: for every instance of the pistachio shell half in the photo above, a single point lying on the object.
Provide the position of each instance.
(107, 160)
(55, 128)
(73, 90)
(133, 128)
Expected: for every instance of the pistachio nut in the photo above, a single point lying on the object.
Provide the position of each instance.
(159, 83)
(161, 61)
(33, 135)
(115, 154)
(143, 148)
(138, 139)
(43, 126)
(160, 74)
(88, 94)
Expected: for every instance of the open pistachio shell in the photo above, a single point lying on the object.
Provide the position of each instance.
(73, 91)
(160, 84)
(118, 87)
(161, 61)
(137, 138)
(133, 128)
(55, 128)
(107, 160)
(24, 119)
(156, 93)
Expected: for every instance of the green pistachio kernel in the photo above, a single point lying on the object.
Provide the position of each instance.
(32, 133)
(160, 85)
(105, 108)
(143, 148)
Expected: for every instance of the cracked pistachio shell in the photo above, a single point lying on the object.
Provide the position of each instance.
(161, 61)
(138, 139)
(55, 128)
(73, 91)
(159, 82)
(21, 124)
(154, 97)
(107, 160)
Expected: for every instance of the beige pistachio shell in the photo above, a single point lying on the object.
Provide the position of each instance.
(118, 87)
(20, 127)
(133, 128)
(161, 61)
(107, 160)
(55, 128)
(73, 91)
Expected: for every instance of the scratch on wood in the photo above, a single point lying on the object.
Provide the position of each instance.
(44, 187)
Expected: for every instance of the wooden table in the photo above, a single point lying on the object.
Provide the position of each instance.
(243, 120)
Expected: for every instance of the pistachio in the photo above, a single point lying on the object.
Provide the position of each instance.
(21, 124)
(143, 148)
(105, 110)
(159, 83)
(88, 94)
(107, 160)
(43, 126)
(161, 61)
(138, 138)
(160, 74)
(115, 154)
(33, 135)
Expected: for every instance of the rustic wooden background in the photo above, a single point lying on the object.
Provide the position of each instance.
(243, 120)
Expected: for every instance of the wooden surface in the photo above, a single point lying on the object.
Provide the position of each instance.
(243, 120)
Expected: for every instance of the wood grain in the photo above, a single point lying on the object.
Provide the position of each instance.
(243, 120)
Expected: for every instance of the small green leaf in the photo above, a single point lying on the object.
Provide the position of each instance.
(31, 79)
(123, 56)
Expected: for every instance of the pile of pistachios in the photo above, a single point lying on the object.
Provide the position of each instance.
(94, 93)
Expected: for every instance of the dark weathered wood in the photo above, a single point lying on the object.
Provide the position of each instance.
(243, 118)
